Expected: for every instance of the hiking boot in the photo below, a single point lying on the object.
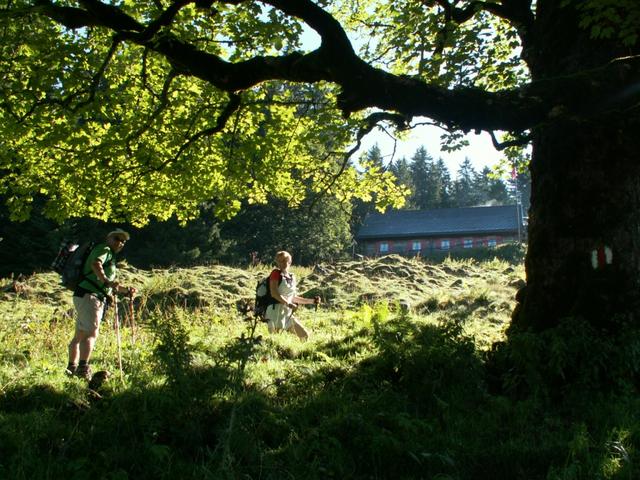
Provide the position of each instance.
(83, 371)
(70, 370)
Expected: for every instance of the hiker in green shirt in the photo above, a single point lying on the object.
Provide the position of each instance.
(90, 299)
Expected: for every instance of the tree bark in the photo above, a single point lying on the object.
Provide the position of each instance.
(585, 203)
(583, 258)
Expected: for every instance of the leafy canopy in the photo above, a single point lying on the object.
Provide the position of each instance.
(111, 130)
(131, 109)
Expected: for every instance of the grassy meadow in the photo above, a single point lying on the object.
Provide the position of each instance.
(391, 384)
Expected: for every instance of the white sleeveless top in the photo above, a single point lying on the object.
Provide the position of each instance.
(279, 316)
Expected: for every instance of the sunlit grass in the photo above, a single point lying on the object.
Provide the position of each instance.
(391, 380)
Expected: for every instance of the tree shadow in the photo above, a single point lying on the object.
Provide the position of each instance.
(417, 407)
(21, 399)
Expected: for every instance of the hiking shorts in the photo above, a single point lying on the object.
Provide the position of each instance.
(89, 309)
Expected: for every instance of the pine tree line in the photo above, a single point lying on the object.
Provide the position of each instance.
(319, 229)
(432, 186)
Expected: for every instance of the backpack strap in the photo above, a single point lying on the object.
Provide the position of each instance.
(273, 301)
(84, 277)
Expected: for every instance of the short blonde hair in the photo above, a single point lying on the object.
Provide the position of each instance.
(284, 254)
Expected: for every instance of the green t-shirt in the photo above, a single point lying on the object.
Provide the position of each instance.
(103, 253)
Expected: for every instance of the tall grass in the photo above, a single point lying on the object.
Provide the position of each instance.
(378, 391)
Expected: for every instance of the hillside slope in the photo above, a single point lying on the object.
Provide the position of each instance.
(344, 284)
(481, 293)
(393, 379)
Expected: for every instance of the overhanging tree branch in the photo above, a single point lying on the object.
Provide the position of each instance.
(70, 17)
(163, 102)
(95, 81)
(517, 12)
(335, 41)
(231, 107)
(518, 141)
(165, 19)
(369, 123)
(111, 16)
(362, 86)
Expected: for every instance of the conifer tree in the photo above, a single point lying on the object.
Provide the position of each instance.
(401, 170)
(424, 194)
(465, 193)
(491, 189)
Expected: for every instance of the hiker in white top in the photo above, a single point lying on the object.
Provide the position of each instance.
(282, 286)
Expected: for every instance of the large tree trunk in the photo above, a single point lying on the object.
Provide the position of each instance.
(583, 257)
(584, 226)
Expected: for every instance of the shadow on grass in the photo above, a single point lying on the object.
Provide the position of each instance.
(416, 407)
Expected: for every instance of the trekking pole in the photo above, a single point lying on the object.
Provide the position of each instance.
(132, 319)
(117, 321)
(316, 301)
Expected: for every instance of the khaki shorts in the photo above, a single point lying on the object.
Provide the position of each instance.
(89, 309)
